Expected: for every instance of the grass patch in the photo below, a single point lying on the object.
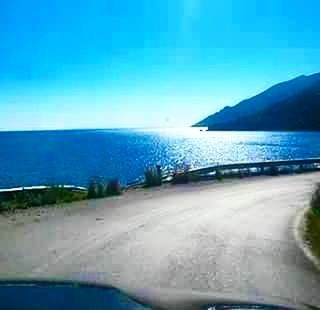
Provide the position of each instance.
(181, 175)
(315, 200)
(99, 188)
(152, 177)
(273, 171)
(312, 233)
(35, 198)
(219, 175)
(55, 195)
(113, 188)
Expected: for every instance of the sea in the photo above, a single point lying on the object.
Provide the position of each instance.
(74, 157)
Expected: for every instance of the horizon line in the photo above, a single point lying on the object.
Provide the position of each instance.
(97, 128)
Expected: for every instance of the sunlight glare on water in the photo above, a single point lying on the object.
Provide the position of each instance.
(74, 156)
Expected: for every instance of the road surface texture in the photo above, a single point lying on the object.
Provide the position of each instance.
(232, 237)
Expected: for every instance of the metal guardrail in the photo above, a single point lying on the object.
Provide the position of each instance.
(204, 171)
(40, 188)
(258, 165)
(210, 172)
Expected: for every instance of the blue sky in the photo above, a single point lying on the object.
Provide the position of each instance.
(146, 63)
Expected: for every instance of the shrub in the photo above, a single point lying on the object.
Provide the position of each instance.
(98, 188)
(312, 231)
(113, 187)
(92, 190)
(50, 196)
(67, 195)
(101, 190)
(273, 171)
(20, 201)
(298, 169)
(219, 175)
(315, 200)
(312, 228)
(152, 177)
(35, 198)
(54, 195)
(194, 177)
(181, 175)
(9, 206)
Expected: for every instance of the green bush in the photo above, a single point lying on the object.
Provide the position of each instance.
(114, 188)
(96, 188)
(240, 174)
(181, 176)
(34, 198)
(315, 200)
(273, 171)
(99, 188)
(194, 177)
(9, 206)
(92, 190)
(312, 231)
(50, 196)
(152, 177)
(219, 175)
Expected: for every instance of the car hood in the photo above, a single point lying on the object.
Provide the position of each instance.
(155, 298)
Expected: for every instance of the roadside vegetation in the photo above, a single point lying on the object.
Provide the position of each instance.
(153, 177)
(25, 199)
(273, 171)
(181, 175)
(312, 233)
(99, 188)
(56, 195)
(219, 175)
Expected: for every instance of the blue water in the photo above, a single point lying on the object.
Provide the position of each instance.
(73, 157)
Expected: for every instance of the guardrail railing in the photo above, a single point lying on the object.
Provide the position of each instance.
(308, 164)
(265, 164)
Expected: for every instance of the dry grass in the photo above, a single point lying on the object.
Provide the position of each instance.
(312, 234)
(99, 188)
(50, 196)
(152, 177)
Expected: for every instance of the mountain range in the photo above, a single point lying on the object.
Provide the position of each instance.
(291, 105)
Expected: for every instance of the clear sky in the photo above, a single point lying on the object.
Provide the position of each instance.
(141, 63)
